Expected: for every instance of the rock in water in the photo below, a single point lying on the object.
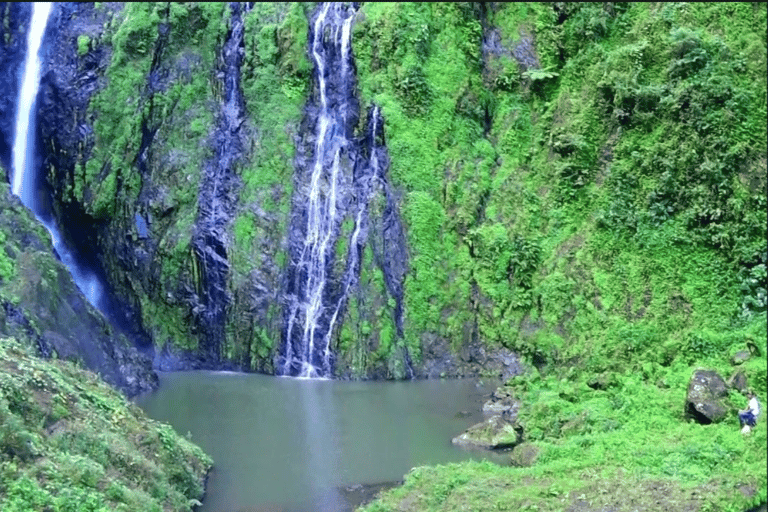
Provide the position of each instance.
(494, 433)
(705, 401)
(502, 402)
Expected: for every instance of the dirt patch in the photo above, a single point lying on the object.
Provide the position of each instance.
(573, 243)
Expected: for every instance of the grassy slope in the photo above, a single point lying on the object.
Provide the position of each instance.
(69, 442)
(604, 217)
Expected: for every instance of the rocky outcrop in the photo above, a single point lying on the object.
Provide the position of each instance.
(705, 401)
(500, 429)
(492, 434)
(41, 306)
(472, 360)
(524, 455)
(738, 381)
(502, 402)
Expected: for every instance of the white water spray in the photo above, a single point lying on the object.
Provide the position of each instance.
(25, 168)
(324, 194)
(24, 146)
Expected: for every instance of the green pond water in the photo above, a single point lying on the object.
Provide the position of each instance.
(292, 445)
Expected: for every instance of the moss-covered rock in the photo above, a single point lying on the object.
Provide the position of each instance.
(524, 455)
(68, 441)
(493, 433)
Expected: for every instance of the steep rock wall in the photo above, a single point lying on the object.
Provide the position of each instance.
(512, 219)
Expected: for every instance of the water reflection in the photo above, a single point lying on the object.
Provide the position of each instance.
(291, 445)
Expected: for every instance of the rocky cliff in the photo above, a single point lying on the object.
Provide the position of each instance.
(40, 303)
(41, 306)
(540, 177)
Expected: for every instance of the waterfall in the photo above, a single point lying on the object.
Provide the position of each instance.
(311, 295)
(25, 166)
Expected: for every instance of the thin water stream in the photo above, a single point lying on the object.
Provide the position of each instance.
(292, 445)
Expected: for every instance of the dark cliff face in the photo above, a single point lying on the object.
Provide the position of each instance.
(68, 83)
(14, 18)
(217, 198)
(41, 306)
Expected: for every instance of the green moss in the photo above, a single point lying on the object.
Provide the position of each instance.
(83, 44)
(7, 266)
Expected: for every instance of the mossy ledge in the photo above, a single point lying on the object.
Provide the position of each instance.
(69, 442)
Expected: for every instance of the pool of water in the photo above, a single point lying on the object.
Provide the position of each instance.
(291, 445)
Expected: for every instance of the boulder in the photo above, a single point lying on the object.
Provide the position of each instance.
(493, 434)
(740, 357)
(738, 381)
(705, 401)
(524, 455)
(502, 402)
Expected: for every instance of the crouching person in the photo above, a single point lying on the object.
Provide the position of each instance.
(748, 417)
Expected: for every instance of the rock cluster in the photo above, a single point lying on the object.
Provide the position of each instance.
(500, 429)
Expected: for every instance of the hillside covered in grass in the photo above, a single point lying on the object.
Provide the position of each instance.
(69, 442)
(599, 177)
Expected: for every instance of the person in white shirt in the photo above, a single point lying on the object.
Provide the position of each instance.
(748, 417)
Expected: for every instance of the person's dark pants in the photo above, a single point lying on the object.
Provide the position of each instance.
(747, 418)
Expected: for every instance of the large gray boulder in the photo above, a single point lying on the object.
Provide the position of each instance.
(495, 433)
(705, 401)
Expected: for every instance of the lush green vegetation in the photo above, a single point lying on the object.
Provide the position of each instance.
(69, 442)
(592, 196)
(568, 196)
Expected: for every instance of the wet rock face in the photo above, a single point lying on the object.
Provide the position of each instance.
(705, 401)
(41, 306)
(14, 17)
(340, 178)
(217, 198)
(474, 359)
(65, 135)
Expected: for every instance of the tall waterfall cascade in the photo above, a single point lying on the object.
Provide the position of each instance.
(314, 300)
(25, 164)
(338, 176)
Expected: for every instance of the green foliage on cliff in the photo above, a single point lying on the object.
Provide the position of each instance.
(152, 122)
(70, 442)
(585, 181)
(593, 197)
(7, 267)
